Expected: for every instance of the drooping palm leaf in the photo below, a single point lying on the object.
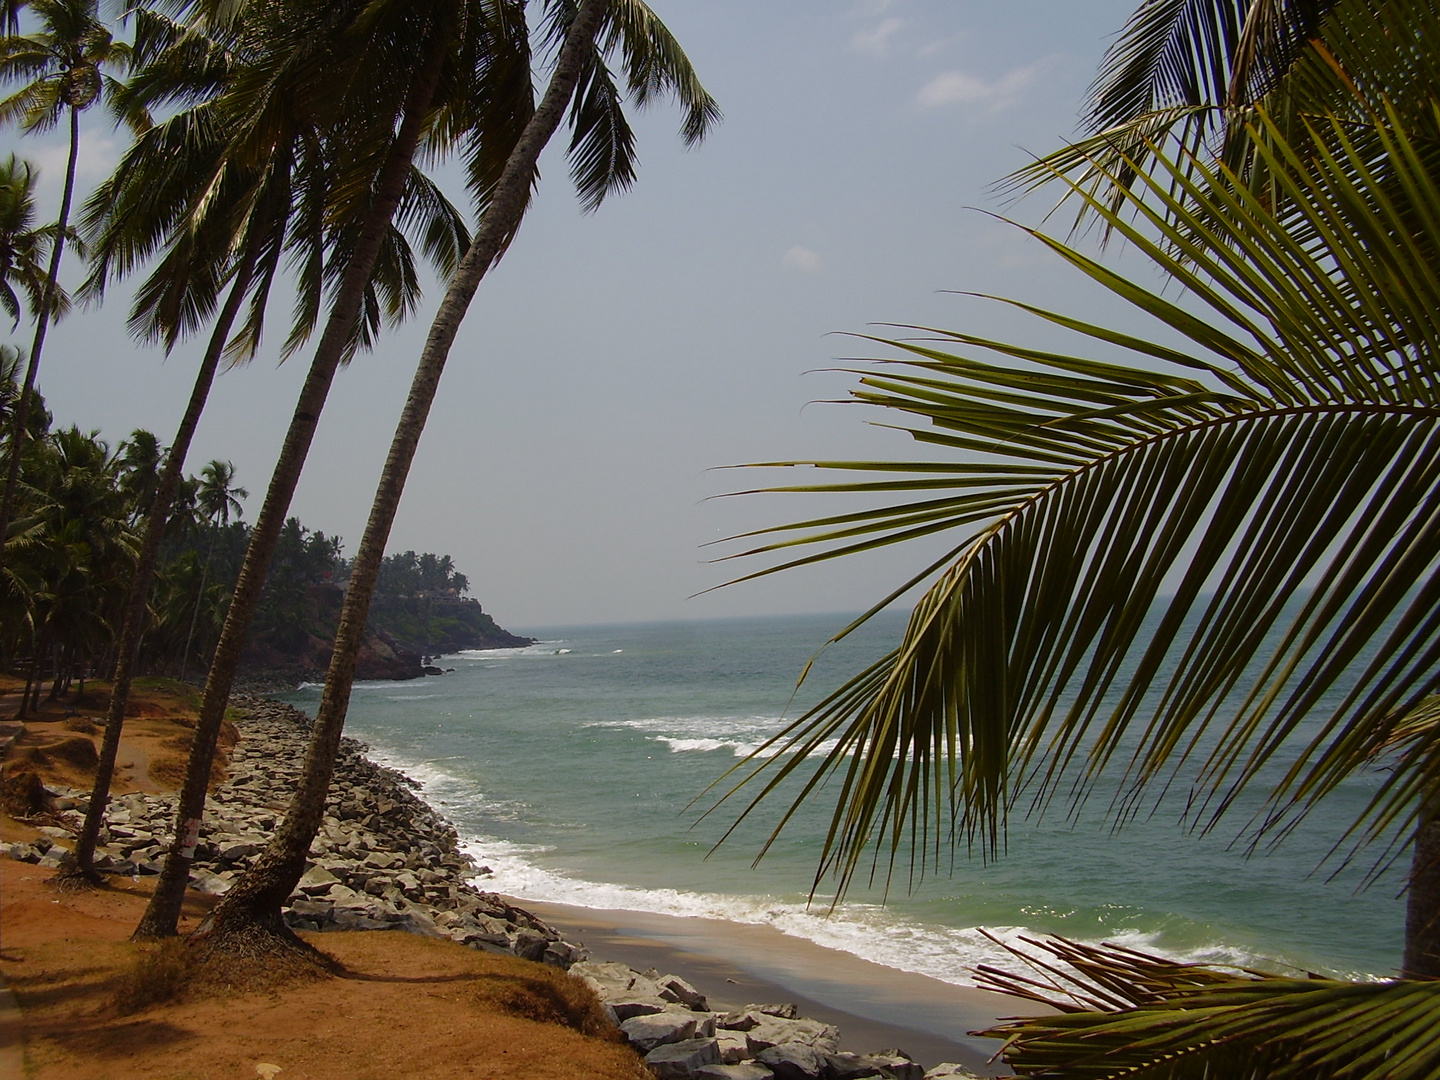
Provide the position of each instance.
(1279, 469)
(1122, 1013)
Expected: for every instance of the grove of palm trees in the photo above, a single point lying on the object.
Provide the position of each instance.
(1174, 566)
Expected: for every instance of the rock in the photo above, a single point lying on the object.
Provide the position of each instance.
(563, 955)
(210, 884)
(682, 1060)
(772, 1031)
(528, 945)
(793, 1061)
(747, 1070)
(234, 852)
(734, 1047)
(317, 880)
(852, 1067)
(899, 1064)
(947, 1070)
(657, 1029)
(674, 988)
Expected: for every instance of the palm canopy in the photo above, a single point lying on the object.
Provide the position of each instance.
(1186, 76)
(22, 245)
(238, 179)
(1277, 469)
(62, 65)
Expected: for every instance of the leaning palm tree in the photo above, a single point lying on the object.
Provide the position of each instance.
(403, 76)
(223, 197)
(225, 189)
(603, 157)
(62, 65)
(1277, 468)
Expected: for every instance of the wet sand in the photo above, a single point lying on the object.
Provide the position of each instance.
(733, 964)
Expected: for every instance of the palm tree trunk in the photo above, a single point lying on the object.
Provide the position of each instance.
(42, 322)
(81, 864)
(255, 901)
(163, 912)
(199, 599)
(1422, 909)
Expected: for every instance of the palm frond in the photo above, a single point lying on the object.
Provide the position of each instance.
(1122, 1013)
(1275, 473)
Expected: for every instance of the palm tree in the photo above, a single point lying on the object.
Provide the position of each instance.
(64, 62)
(654, 62)
(219, 496)
(448, 72)
(22, 246)
(218, 187)
(1277, 469)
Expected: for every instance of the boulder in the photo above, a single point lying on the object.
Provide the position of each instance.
(772, 1031)
(949, 1070)
(793, 1061)
(317, 880)
(899, 1064)
(658, 1029)
(674, 988)
(746, 1070)
(682, 1060)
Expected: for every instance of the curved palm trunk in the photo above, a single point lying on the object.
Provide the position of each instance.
(81, 865)
(42, 323)
(163, 912)
(256, 899)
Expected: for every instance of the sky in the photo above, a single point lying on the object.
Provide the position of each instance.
(615, 362)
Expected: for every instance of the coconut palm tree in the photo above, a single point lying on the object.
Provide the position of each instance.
(22, 246)
(219, 496)
(433, 73)
(654, 62)
(63, 67)
(1277, 470)
(220, 193)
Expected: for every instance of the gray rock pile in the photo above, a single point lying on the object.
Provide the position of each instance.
(670, 1022)
(384, 860)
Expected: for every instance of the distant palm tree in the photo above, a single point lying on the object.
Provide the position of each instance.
(603, 156)
(62, 65)
(22, 246)
(218, 498)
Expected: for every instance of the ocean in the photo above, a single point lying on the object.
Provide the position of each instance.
(576, 770)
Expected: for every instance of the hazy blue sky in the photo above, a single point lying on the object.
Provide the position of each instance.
(613, 360)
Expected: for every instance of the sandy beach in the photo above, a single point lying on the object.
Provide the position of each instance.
(874, 1006)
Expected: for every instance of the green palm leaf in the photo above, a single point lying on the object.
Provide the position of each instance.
(1277, 470)
(1121, 1013)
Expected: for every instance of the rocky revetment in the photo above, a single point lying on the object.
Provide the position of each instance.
(385, 860)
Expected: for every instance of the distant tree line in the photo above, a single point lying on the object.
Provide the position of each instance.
(80, 505)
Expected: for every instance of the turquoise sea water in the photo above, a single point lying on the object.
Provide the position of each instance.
(569, 768)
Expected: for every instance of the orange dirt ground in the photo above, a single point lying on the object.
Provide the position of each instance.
(401, 1007)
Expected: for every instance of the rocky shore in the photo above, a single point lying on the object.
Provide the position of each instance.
(384, 860)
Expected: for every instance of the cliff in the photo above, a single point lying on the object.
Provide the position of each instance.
(401, 632)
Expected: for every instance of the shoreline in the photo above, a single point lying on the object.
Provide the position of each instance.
(385, 858)
(735, 964)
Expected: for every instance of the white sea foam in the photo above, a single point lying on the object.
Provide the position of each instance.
(739, 749)
(869, 931)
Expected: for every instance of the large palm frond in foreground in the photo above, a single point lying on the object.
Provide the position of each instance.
(1277, 469)
(1121, 1013)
